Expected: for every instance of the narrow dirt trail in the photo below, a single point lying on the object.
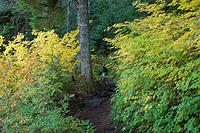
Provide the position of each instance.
(100, 117)
(97, 108)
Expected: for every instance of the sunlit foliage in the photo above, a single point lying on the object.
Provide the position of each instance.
(158, 66)
(35, 80)
(21, 57)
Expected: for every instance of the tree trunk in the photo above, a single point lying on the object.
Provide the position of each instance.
(86, 70)
(68, 14)
(78, 69)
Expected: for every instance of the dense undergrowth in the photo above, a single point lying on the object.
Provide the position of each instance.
(36, 84)
(158, 68)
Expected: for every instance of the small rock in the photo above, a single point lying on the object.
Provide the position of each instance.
(72, 95)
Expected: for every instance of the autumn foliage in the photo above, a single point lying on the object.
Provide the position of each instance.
(21, 57)
(35, 83)
(158, 67)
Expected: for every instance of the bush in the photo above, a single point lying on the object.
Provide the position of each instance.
(158, 67)
(43, 104)
(36, 78)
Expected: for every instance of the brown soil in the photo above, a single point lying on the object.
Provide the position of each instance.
(99, 115)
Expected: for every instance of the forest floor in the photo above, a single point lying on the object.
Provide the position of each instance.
(99, 116)
(97, 109)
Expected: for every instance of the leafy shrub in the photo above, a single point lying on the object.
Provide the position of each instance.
(43, 104)
(22, 57)
(36, 83)
(158, 67)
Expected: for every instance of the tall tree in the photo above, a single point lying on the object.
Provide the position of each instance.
(68, 14)
(86, 68)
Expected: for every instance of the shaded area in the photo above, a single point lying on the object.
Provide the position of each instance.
(99, 116)
(97, 108)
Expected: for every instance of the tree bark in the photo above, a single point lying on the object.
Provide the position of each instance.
(68, 14)
(86, 69)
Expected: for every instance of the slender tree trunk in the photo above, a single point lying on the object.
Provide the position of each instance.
(86, 70)
(78, 37)
(68, 14)
(78, 14)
